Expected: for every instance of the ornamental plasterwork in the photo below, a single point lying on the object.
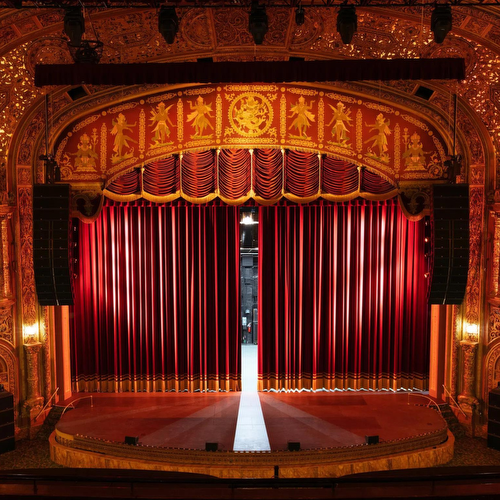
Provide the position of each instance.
(494, 323)
(7, 324)
(101, 145)
(474, 276)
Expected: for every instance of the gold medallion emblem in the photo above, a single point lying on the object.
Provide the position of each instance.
(250, 114)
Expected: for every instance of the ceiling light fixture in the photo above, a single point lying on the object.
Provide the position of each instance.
(257, 23)
(74, 25)
(441, 22)
(168, 23)
(347, 23)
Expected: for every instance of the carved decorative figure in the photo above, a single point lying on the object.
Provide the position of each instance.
(303, 116)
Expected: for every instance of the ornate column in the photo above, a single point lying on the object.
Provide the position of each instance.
(468, 394)
(34, 401)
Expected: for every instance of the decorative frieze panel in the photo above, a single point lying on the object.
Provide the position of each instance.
(389, 139)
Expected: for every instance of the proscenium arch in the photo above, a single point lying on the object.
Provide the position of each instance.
(78, 110)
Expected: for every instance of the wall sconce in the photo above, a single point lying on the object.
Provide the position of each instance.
(30, 334)
(472, 331)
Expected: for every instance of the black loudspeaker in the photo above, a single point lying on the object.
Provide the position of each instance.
(450, 243)
(293, 446)
(372, 439)
(7, 440)
(211, 446)
(52, 253)
(494, 419)
(133, 440)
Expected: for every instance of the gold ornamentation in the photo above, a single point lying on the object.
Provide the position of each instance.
(218, 115)
(60, 149)
(283, 116)
(156, 152)
(24, 176)
(161, 98)
(414, 155)
(359, 131)
(199, 118)
(120, 126)
(496, 255)
(474, 275)
(6, 324)
(381, 126)
(198, 143)
(302, 92)
(302, 143)
(414, 121)
(342, 151)
(301, 110)
(86, 155)
(397, 148)
(341, 115)
(159, 120)
(104, 147)
(491, 361)
(84, 123)
(439, 147)
(251, 88)
(142, 132)
(469, 350)
(122, 107)
(26, 240)
(180, 120)
(131, 161)
(9, 373)
(378, 107)
(256, 140)
(340, 97)
(33, 399)
(494, 323)
(321, 120)
(6, 290)
(200, 91)
(250, 114)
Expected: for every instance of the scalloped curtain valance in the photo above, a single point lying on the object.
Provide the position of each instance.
(237, 175)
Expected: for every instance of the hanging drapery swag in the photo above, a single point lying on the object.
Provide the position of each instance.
(342, 297)
(157, 299)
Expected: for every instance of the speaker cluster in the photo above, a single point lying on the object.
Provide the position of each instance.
(52, 252)
(450, 224)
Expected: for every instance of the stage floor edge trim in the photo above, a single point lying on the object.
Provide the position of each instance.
(262, 465)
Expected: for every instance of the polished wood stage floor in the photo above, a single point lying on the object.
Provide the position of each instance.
(173, 429)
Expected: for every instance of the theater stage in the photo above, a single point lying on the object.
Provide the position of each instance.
(172, 431)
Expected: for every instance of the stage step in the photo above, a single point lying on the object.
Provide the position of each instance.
(452, 421)
(50, 422)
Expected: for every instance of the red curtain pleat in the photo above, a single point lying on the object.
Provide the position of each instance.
(157, 302)
(302, 173)
(342, 297)
(127, 184)
(161, 177)
(374, 184)
(198, 174)
(268, 182)
(234, 173)
(338, 177)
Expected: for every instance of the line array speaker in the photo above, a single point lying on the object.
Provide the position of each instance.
(52, 257)
(451, 243)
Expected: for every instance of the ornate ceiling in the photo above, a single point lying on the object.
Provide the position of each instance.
(34, 36)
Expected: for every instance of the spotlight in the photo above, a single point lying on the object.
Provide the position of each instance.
(168, 23)
(257, 24)
(74, 25)
(347, 23)
(300, 16)
(441, 22)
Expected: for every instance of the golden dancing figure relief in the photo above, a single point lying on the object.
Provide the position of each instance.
(159, 118)
(199, 114)
(339, 130)
(121, 139)
(85, 160)
(251, 114)
(414, 155)
(303, 118)
(381, 125)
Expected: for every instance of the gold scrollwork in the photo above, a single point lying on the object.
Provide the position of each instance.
(251, 114)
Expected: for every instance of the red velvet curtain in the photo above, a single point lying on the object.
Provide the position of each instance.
(342, 297)
(157, 299)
